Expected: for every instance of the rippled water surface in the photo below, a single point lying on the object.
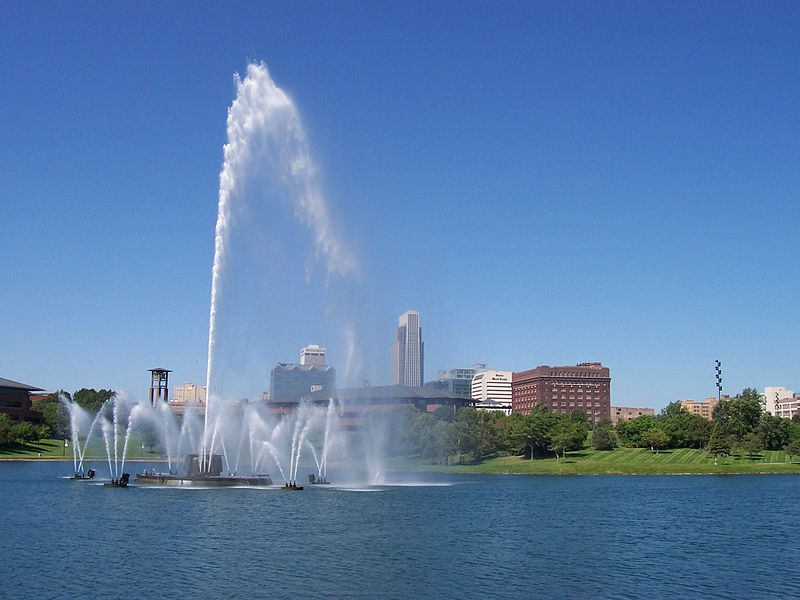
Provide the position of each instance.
(433, 536)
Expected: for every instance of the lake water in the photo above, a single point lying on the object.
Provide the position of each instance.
(432, 537)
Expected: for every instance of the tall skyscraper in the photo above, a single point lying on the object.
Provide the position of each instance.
(408, 352)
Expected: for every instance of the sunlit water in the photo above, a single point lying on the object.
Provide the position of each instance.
(460, 537)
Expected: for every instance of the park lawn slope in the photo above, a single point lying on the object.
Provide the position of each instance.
(630, 461)
(55, 450)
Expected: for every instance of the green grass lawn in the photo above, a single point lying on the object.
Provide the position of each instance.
(54, 449)
(630, 461)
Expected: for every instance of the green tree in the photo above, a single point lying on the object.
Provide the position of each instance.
(562, 438)
(629, 433)
(25, 433)
(534, 430)
(696, 431)
(655, 438)
(477, 432)
(603, 438)
(753, 444)
(774, 431)
(91, 399)
(7, 433)
(739, 415)
(54, 415)
(718, 444)
(443, 433)
(793, 449)
(42, 432)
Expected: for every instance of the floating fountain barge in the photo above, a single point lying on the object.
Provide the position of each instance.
(81, 477)
(122, 482)
(195, 477)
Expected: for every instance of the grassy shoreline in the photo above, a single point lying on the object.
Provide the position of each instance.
(627, 461)
(55, 450)
(620, 461)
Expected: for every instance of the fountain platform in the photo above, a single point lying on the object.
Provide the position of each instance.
(81, 477)
(122, 482)
(292, 487)
(201, 480)
(197, 476)
(314, 480)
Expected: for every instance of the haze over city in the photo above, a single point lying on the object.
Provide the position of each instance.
(544, 184)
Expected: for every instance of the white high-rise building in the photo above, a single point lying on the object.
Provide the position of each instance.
(780, 401)
(312, 356)
(408, 352)
(492, 386)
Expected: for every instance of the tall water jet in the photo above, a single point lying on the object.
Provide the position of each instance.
(264, 133)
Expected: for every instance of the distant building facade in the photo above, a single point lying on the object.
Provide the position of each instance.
(625, 413)
(355, 405)
(312, 356)
(491, 385)
(288, 381)
(291, 381)
(189, 393)
(583, 387)
(455, 381)
(408, 351)
(15, 401)
(780, 401)
(705, 408)
(188, 396)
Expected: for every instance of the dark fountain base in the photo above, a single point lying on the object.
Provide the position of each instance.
(122, 482)
(81, 477)
(201, 480)
(292, 487)
(314, 480)
(211, 477)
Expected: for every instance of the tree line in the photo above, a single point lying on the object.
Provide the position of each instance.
(739, 424)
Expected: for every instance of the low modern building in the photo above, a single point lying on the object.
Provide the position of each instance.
(492, 386)
(503, 406)
(291, 381)
(583, 387)
(455, 381)
(355, 405)
(15, 401)
(625, 413)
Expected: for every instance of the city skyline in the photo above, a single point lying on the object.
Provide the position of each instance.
(619, 183)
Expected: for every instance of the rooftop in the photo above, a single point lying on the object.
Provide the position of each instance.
(8, 383)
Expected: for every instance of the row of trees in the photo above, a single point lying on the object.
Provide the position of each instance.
(472, 435)
(20, 433)
(738, 424)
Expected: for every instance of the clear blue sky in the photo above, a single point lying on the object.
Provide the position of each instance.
(545, 182)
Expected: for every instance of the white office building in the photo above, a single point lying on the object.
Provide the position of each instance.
(781, 402)
(312, 356)
(408, 352)
(492, 386)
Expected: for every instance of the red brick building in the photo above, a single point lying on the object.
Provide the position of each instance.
(15, 401)
(584, 387)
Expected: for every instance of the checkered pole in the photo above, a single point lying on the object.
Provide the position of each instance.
(718, 369)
